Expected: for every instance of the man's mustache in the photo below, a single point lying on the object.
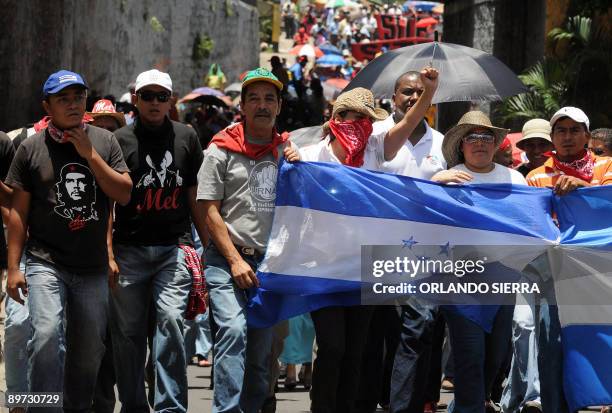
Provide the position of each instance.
(263, 112)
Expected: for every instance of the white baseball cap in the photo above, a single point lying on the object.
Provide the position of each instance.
(571, 112)
(153, 77)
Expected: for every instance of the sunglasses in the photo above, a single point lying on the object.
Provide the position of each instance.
(598, 151)
(475, 137)
(161, 97)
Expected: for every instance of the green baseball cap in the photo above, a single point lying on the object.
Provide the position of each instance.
(261, 75)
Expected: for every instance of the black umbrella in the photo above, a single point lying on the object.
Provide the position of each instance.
(466, 74)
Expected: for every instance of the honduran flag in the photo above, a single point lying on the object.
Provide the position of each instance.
(325, 212)
(583, 290)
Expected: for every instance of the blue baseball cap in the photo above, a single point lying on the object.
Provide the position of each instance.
(60, 80)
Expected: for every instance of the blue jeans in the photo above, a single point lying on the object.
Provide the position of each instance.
(478, 357)
(197, 336)
(68, 313)
(240, 370)
(412, 360)
(17, 332)
(523, 380)
(158, 275)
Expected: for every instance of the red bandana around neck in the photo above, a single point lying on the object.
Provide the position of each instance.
(353, 136)
(58, 134)
(580, 168)
(232, 138)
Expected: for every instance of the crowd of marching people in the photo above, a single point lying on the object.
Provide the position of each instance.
(134, 240)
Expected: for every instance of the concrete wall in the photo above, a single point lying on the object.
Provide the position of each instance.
(512, 30)
(111, 41)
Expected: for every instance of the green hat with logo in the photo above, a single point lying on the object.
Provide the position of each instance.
(261, 75)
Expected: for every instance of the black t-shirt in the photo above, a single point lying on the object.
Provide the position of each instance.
(6, 157)
(68, 215)
(163, 164)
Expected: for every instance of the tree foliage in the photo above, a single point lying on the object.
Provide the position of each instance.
(579, 73)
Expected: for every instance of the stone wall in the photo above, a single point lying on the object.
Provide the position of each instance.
(111, 41)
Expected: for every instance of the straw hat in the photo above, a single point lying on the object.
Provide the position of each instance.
(451, 145)
(535, 128)
(359, 100)
(105, 107)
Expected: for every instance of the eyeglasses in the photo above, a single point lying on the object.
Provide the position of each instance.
(475, 137)
(161, 97)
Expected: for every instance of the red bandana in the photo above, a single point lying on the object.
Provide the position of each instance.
(58, 134)
(580, 168)
(232, 139)
(353, 136)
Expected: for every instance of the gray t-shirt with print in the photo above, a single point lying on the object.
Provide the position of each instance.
(247, 189)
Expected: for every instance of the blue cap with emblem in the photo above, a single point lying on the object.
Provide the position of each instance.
(60, 80)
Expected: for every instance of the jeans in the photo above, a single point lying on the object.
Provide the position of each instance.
(523, 381)
(477, 357)
(241, 355)
(68, 313)
(157, 275)
(198, 341)
(104, 397)
(341, 338)
(17, 332)
(411, 366)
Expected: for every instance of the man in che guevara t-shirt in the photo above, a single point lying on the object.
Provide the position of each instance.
(63, 179)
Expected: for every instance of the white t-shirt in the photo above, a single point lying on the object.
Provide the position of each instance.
(422, 160)
(373, 157)
(499, 175)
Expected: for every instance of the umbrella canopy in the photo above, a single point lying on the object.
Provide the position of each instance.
(339, 3)
(329, 48)
(333, 87)
(466, 74)
(306, 50)
(208, 91)
(331, 60)
(426, 22)
(207, 95)
(421, 6)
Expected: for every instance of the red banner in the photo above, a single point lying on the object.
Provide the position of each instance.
(394, 32)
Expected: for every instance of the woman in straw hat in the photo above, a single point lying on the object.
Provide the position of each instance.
(340, 331)
(469, 148)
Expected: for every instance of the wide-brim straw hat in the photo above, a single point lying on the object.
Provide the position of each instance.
(359, 100)
(451, 145)
(535, 128)
(105, 107)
